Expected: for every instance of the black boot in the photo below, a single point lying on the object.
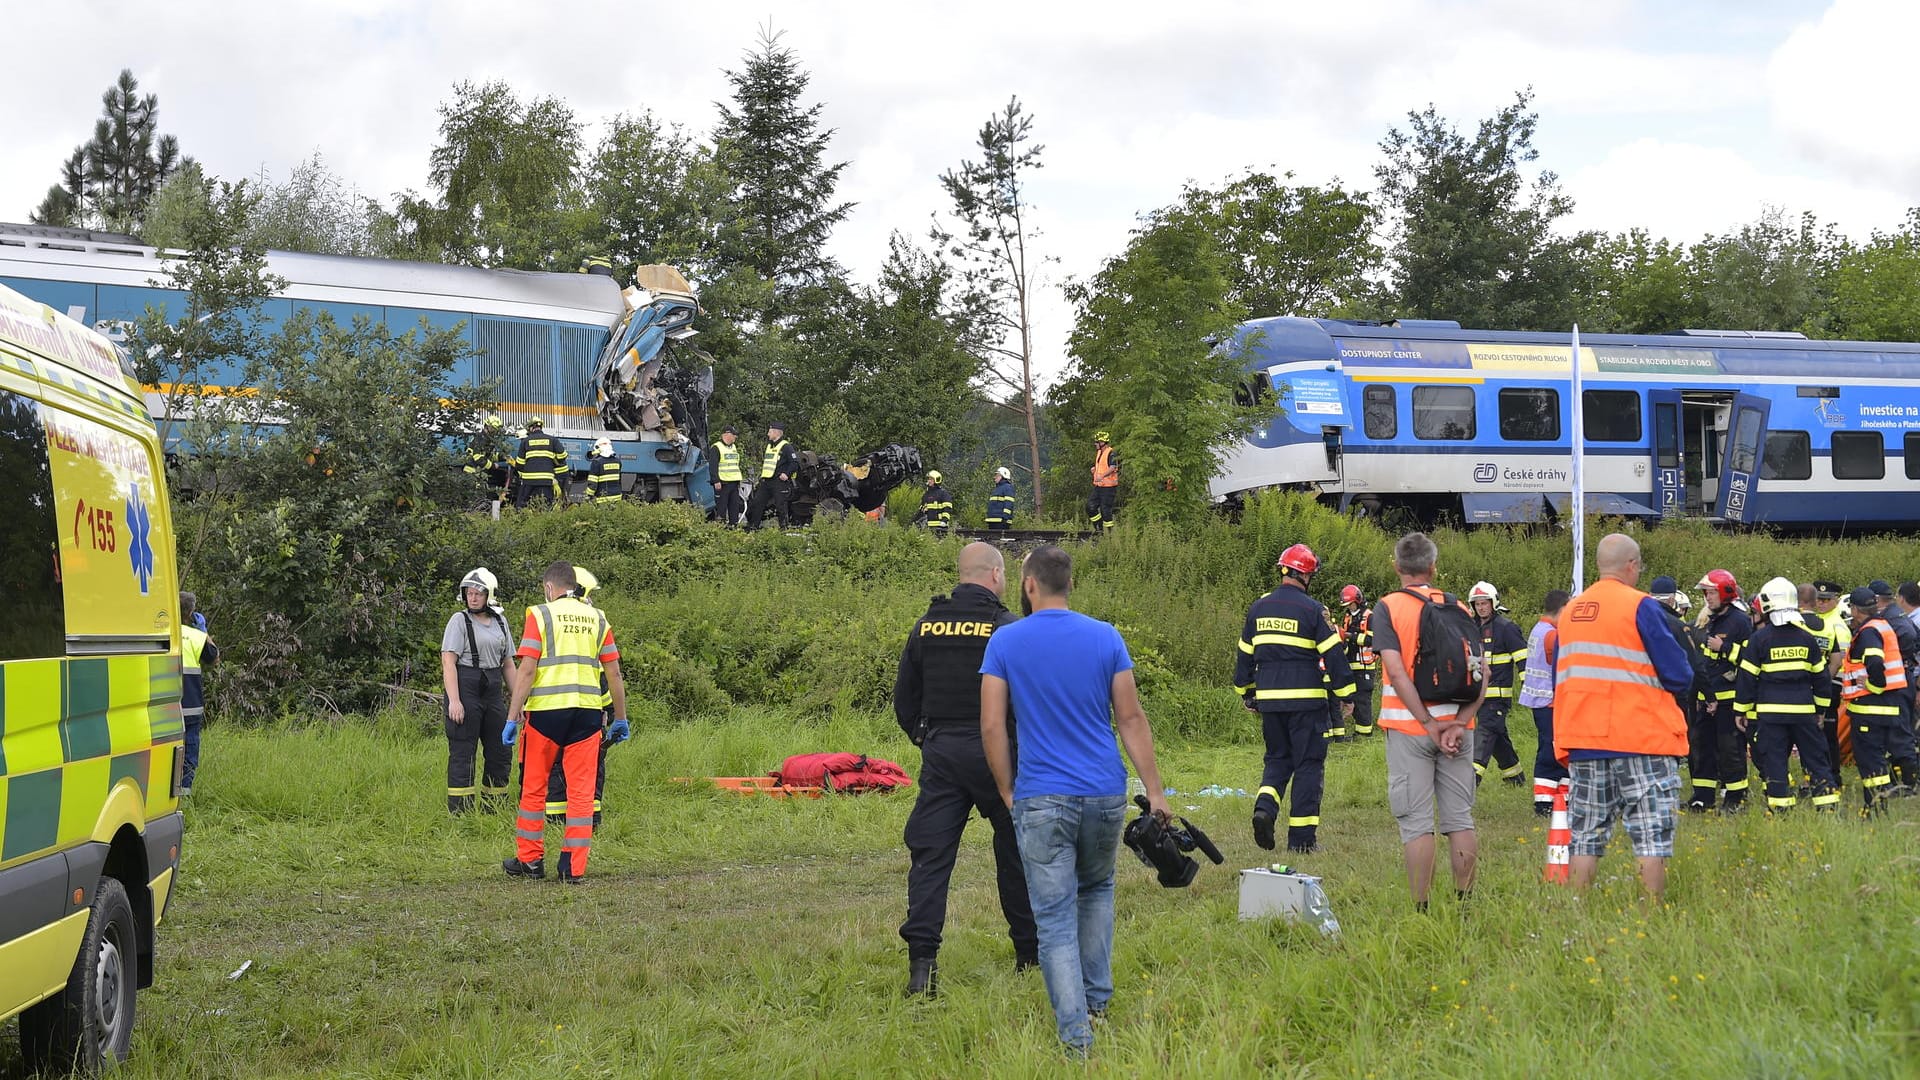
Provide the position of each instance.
(1025, 961)
(515, 868)
(1302, 839)
(1263, 814)
(923, 977)
(567, 876)
(459, 804)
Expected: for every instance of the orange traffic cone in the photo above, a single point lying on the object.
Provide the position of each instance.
(1559, 838)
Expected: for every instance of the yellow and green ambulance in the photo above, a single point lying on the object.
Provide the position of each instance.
(90, 726)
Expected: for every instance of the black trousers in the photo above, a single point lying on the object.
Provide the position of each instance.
(769, 494)
(1490, 740)
(954, 782)
(726, 502)
(1881, 745)
(1546, 767)
(1296, 754)
(1716, 754)
(486, 717)
(1100, 506)
(535, 490)
(1771, 749)
(1362, 703)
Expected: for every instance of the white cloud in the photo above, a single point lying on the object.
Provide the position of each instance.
(1842, 90)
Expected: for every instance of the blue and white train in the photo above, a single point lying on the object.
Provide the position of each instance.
(1734, 426)
(569, 348)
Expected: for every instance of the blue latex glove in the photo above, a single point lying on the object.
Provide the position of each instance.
(620, 732)
(507, 734)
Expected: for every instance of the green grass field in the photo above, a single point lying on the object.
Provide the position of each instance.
(722, 935)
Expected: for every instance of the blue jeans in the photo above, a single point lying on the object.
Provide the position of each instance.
(1068, 844)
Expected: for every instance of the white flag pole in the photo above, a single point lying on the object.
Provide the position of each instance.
(1579, 501)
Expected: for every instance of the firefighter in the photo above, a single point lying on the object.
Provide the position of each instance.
(723, 471)
(1000, 502)
(1839, 637)
(936, 505)
(1106, 482)
(1717, 749)
(1505, 646)
(565, 647)
(1782, 667)
(776, 480)
(1871, 681)
(936, 700)
(1909, 636)
(603, 474)
(1285, 641)
(539, 464)
(474, 669)
(488, 456)
(584, 585)
(1356, 630)
(1538, 681)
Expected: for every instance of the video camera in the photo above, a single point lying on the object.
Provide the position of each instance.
(1163, 847)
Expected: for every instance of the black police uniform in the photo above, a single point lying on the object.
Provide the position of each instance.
(936, 699)
(1716, 751)
(1282, 647)
(1506, 650)
(1358, 633)
(1908, 635)
(1782, 671)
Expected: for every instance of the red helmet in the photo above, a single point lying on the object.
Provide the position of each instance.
(1299, 557)
(1350, 594)
(1720, 586)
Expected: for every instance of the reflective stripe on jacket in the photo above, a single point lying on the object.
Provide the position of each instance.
(1504, 647)
(1106, 471)
(1357, 631)
(1394, 713)
(1290, 657)
(1781, 669)
(1608, 694)
(729, 458)
(1536, 682)
(1867, 694)
(541, 456)
(603, 484)
(569, 668)
(771, 462)
(1000, 503)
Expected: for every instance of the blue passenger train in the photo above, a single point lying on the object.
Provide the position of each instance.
(1734, 426)
(558, 346)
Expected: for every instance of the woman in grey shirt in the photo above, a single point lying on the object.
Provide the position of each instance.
(474, 654)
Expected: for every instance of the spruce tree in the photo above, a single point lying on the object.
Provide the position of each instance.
(111, 178)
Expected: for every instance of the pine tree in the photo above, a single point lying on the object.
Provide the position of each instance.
(111, 178)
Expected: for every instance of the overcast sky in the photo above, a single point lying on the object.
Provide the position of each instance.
(1685, 117)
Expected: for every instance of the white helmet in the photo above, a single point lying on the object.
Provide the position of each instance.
(1003, 473)
(481, 578)
(1780, 602)
(1682, 603)
(933, 476)
(1483, 591)
(603, 447)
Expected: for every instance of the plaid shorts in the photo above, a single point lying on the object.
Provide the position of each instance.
(1643, 790)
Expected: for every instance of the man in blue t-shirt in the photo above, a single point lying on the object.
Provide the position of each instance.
(1070, 681)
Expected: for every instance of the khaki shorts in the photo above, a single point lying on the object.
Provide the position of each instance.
(1425, 786)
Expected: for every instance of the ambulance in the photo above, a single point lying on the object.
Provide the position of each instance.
(90, 722)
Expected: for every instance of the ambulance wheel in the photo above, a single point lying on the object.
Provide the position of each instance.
(90, 1023)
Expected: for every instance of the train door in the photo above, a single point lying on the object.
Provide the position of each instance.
(1740, 471)
(1704, 416)
(1669, 495)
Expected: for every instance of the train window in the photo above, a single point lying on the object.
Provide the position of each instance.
(1666, 435)
(1383, 420)
(1816, 391)
(1611, 416)
(1744, 447)
(1788, 456)
(1529, 414)
(1913, 455)
(1859, 455)
(36, 622)
(1443, 412)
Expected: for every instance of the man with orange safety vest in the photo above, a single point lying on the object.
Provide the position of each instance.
(1505, 647)
(1279, 674)
(1106, 482)
(1615, 722)
(1717, 750)
(1873, 680)
(1429, 743)
(564, 649)
(1356, 629)
(1783, 668)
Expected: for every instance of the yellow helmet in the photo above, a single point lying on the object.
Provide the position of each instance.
(933, 476)
(493, 423)
(1102, 436)
(534, 421)
(584, 583)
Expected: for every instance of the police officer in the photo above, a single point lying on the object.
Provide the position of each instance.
(936, 505)
(603, 474)
(1782, 668)
(1356, 630)
(1506, 651)
(1717, 749)
(776, 479)
(1000, 502)
(936, 699)
(723, 471)
(538, 465)
(1871, 681)
(1279, 674)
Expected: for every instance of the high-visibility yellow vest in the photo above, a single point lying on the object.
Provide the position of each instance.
(772, 459)
(729, 462)
(193, 643)
(568, 675)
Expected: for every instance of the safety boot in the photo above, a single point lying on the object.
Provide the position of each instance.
(515, 868)
(1302, 839)
(1263, 814)
(458, 805)
(567, 876)
(923, 977)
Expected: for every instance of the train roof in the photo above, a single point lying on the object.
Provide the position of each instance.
(114, 259)
(1445, 344)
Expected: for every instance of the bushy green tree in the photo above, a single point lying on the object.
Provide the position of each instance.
(109, 180)
(1145, 366)
(1875, 287)
(1766, 275)
(1295, 249)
